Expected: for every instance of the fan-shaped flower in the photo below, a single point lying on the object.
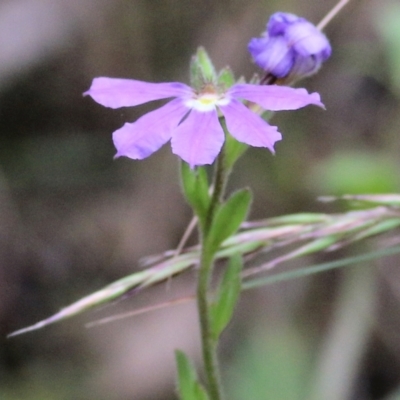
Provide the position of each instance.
(190, 120)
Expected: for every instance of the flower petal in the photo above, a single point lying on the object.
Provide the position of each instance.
(279, 22)
(145, 136)
(307, 39)
(272, 55)
(248, 127)
(199, 138)
(115, 93)
(275, 98)
(305, 66)
(257, 45)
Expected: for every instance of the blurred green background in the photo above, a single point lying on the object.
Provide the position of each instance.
(72, 219)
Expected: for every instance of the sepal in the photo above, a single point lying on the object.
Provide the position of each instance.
(202, 70)
(226, 78)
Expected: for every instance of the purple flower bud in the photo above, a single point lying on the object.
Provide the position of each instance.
(291, 48)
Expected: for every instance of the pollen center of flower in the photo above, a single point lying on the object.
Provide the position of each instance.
(207, 101)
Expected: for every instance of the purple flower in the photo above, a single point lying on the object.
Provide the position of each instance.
(291, 47)
(190, 120)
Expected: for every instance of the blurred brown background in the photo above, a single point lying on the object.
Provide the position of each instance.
(72, 219)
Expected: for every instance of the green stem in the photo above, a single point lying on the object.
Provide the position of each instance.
(209, 346)
(220, 180)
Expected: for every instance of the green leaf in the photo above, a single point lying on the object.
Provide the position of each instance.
(188, 386)
(227, 296)
(200, 393)
(186, 376)
(228, 218)
(202, 70)
(226, 78)
(233, 148)
(195, 187)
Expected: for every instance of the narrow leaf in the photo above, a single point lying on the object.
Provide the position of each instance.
(186, 376)
(188, 386)
(380, 227)
(233, 148)
(227, 296)
(316, 245)
(300, 218)
(195, 187)
(228, 218)
(199, 392)
(117, 289)
(314, 269)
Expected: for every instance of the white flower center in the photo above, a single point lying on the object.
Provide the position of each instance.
(207, 101)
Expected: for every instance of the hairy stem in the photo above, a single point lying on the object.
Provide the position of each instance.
(209, 346)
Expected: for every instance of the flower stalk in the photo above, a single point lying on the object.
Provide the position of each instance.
(207, 258)
(208, 345)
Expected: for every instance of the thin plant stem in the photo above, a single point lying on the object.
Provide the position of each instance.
(140, 311)
(186, 235)
(188, 231)
(209, 345)
(219, 185)
(331, 14)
